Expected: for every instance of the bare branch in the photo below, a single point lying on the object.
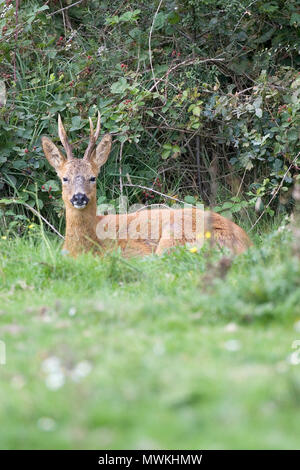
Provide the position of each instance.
(150, 51)
(185, 62)
(65, 8)
(160, 194)
(35, 212)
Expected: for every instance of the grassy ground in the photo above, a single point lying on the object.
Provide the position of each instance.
(150, 353)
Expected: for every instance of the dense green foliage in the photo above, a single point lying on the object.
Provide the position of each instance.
(161, 352)
(203, 96)
(186, 350)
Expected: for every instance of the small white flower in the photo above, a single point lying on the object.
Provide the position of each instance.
(72, 311)
(101, 50)
(231, 327)
(55, 380)
(51, 364)
(46, 424)
(294, 358)
(53, 370)
(18, 382)
(81, 370)
(232, 345)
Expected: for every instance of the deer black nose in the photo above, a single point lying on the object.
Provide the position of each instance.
(79, 200)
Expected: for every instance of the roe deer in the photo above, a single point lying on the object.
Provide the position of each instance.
(138, 233)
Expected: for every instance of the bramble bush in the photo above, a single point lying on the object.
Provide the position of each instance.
(202, 98)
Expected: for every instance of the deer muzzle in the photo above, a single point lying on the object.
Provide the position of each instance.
(79, 200)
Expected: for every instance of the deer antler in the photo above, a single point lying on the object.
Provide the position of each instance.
(64, 139)
(93, 137)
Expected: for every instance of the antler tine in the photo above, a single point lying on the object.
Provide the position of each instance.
(64, 139)
(93, 136)
(91, 129)
(98, 127)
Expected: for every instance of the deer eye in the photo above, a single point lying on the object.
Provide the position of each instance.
(93, 179)
(65, 180)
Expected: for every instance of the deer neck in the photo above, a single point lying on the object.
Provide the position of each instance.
(81, 229)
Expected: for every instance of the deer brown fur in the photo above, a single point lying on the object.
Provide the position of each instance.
(133, 232)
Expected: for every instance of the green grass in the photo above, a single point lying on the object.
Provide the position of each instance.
(149, 353)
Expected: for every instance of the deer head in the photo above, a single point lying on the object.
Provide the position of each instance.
(78, 176)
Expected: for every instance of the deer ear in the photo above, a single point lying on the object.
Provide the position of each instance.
(100, 154)
(53, 155)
